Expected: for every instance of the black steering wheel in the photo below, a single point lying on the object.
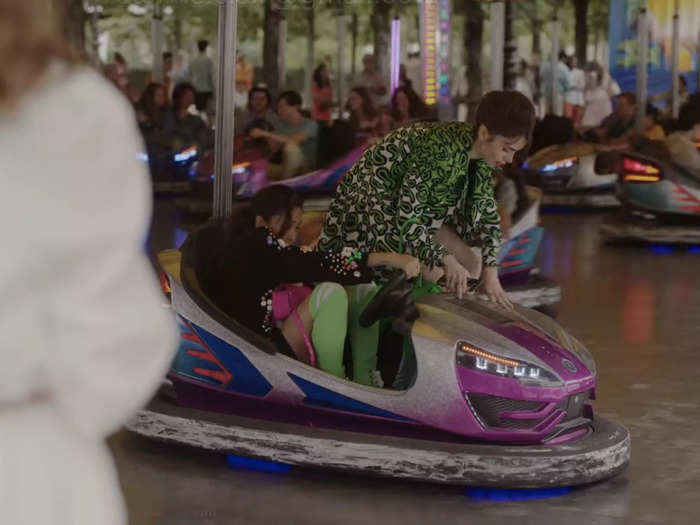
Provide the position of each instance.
(393, 300)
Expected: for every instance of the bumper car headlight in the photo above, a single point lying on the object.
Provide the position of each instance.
(472, 357)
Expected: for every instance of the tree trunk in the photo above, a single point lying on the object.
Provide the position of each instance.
(311, 21)
(581, 30)
(74, 18)
(177, 26)
(353, 33)
(274, 12)
(381, 24)
(510, 69)
(473, 42)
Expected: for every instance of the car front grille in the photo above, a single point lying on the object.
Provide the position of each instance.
(488, 410)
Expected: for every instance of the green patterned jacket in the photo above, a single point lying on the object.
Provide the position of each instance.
(412, 182)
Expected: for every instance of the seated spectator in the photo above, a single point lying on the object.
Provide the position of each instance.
(363, 117)
(295, 142)
(407, 106)
(618, 124)
(652, 128)
(150, 109)
(682, 144)
(184, 128)
(259, 109)
(667, 96)
(385, 122)
(321, 95)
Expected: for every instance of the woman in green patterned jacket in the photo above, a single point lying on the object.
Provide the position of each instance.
(430, 187)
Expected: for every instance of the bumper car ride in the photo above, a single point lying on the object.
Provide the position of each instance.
(661, 201)
(494, 397)
(568, 177)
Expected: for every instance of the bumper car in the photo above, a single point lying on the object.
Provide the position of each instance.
(566, 173)
(661, 201)
(493, 397)
(171, 169)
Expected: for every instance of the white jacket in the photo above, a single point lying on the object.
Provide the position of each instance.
(80, 312)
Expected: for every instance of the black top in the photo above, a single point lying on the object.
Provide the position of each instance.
(242, 284)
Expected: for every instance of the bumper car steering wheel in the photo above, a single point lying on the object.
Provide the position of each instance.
(393, 300)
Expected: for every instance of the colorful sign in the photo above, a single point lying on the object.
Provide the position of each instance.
(435, 49)
(623, 42)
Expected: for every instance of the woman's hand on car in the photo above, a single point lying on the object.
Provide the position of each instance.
(456, 276)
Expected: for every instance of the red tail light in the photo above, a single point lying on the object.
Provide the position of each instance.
(165, 283)
(637, 171)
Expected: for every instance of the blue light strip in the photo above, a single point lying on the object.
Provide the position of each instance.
(259, 465)
(516, 494)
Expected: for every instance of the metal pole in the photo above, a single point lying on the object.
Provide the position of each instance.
(95, 30)
(157, 42)
(498, 20)
(553, 96)
(395, 54)
(282, 54)
(223, 180)
(341, 66)
(675, 50)
(642, 60)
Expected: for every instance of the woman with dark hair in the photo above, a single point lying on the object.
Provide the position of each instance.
(363, 117)
(260, 109)
(430, 187)
(407, 106)
(150, 109)
(184, 128)
(321, 95)
(250, 280)
(682, 143)
(85, 340)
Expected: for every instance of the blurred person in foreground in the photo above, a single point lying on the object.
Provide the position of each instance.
(85, 338)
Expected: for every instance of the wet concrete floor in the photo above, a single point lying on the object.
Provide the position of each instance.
(637, 311)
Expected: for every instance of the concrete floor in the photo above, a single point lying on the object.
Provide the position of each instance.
(636, 311)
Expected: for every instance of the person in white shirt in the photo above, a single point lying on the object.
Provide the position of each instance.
(201, 76)
(86, 340)
(574, 102)
(598, 104)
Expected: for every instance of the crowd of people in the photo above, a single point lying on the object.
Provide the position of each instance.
(179, 111)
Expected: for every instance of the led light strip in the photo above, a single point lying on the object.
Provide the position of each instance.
(641, 178)
(480, 353)
(429, 50)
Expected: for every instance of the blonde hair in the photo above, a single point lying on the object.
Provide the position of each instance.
(29, 42)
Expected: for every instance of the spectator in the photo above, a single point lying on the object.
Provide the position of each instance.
(321, 95)
(574, 101)
(667, 96)
(245, 76)
(652, 128)
(372, 80)
(385, 121)
(363, 117)
(598, 103)
(561, 83)
(179, 73)
(259, 109)
(295, 143)
(168, 72)
(523, 82)
(617, 124)
(407, 107)
(682, 144)
(150, 110)
(201, 76)
(184, 128)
